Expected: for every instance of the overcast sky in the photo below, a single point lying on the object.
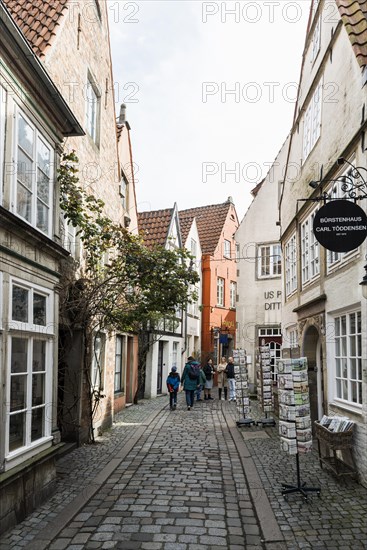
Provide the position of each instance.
(209, 94)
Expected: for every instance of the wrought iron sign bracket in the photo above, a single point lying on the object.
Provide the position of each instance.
(353, 185)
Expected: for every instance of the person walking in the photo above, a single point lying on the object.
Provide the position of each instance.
(190, 380)
(222, 379)
(209, 375)
(173, 384)
(202, 380)
(231, 379)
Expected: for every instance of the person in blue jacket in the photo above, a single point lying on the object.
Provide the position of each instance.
(190, 380)
(173, 384)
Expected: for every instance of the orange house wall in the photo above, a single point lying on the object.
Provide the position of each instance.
(213, 267)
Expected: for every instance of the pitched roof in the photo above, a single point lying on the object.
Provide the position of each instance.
(154, 226)
(185, 225)
(210, 221)
(38, 20)
(354, 16)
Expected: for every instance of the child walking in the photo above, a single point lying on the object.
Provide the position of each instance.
(173, 383)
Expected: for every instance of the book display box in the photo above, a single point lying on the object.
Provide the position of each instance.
(335, 441)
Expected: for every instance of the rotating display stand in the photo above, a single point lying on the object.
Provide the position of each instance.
(265, 386)
(242, 396)
(294, 417)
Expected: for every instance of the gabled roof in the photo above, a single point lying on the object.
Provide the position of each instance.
(210, 221)
(154, 226)
(185, 226)
(38, 20)
(354, 16)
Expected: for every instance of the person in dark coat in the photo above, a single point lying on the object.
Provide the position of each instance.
(209, 375)
(231, 379)
(173, 384)
(190, 384)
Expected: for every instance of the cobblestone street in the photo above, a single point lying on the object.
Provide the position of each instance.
(176, 481)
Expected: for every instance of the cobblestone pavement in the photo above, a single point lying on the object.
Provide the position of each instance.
(175, 481)
(336, 520)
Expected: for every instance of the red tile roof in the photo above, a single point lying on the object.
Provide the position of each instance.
(154, 226)
(38, 20)
(210, 221)
(354, 16)
(185, 226)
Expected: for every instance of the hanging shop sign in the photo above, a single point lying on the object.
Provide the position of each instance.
(340, 226)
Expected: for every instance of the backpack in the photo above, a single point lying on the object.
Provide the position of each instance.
(194, 372)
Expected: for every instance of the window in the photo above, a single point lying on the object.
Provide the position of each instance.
(309, 250)
(237, 252)
(31, 308)
(98, 361)
(220, 292)
(193, 248)
(291, 266)
(30, 366)
(312, 122)
(2, 135)
(316, 40)
(123, 191)
(348, 358)
(269, 261)
(27, 405)
(336, 192)
(174, 354)
(119, 365)
(233, 291)
(34, 176)
(92, 113)
(227, 249)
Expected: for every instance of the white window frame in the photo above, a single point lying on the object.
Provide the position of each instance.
(310, 251)
(193, 248)
(3, 104)
(123, 190)
(31, 333)
(291, 280)
(343, 347)
(29, 408)
(220, 291)
(312, 121)
(92, 110)
(267, 261)
(226, 248)
(30, 326)
(232, 294)
(98, 371)
(38, 136)
(316, 40)
(174, 354)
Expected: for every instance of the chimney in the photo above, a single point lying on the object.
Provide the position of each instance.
(230, 199)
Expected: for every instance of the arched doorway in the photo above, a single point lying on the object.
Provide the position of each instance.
(312, 349)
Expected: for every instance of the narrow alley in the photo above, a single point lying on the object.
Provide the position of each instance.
(175, 481)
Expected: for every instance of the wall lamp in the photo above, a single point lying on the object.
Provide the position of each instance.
(363, 283)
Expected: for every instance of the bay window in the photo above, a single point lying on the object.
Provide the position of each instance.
(348, 358)
(34, 175)
(30, 366)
